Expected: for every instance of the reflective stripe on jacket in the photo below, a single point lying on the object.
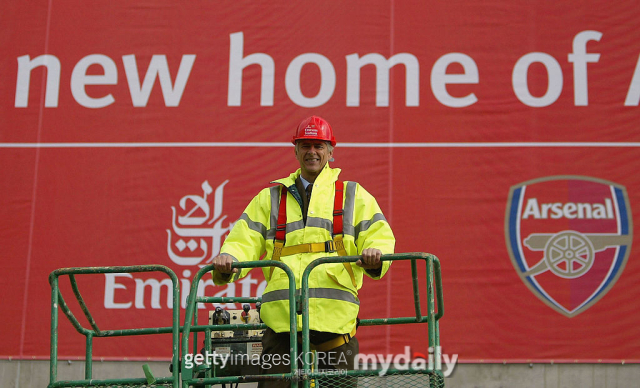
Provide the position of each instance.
(334, 303)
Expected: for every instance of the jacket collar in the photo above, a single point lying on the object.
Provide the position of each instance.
(327, 176)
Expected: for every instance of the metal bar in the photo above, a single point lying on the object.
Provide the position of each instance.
(373, 372)
(175, 328)
(209, 372)
(437, 350)
(312, 375)
(70, 316)
(438, 286)
(83, 306)
(430, 305)
(53, 350)
(231, 326)
(226, 299)
(244, 379)
(416, 290)
(353, 259)
(304, 300)
(88, 360)
(392, 321)
(169, 329)
(143, 331)
(142, 382)
(113, 269)
(195, 333)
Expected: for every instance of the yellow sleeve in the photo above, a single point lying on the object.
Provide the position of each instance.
(246, 241)
(372, 229)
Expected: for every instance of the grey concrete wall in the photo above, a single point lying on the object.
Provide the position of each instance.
(35, 374)
(545, 376)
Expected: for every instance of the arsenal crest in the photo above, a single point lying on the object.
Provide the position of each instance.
(569, 238)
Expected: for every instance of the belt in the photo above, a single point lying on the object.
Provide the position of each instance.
(333, 343)
(327, 246)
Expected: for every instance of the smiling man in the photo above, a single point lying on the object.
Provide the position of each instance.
(305, 216)
(312, 155)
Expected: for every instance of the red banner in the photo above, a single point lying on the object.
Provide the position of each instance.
(500, 137)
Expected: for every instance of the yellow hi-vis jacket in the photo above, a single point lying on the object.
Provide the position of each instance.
(333, 299)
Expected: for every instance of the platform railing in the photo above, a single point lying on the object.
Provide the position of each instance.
(184, 375)
(434, 291)
(299, 305)
(58, 302)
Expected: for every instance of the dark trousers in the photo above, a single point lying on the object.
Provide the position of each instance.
(276, 356)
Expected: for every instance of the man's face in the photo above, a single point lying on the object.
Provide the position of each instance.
(312, 155)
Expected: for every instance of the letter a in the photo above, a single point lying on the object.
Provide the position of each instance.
(531, 209)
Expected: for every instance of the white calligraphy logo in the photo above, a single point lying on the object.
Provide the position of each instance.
(193, 228)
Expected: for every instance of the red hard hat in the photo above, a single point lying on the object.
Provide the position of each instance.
(314, 127)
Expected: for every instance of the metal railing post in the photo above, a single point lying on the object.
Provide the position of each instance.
(53, 351)
(88, 360)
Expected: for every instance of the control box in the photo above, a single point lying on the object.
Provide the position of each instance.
(234, 317)
(240, 348)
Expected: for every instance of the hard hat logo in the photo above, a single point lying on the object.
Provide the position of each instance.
(314, 128)
(310, 131)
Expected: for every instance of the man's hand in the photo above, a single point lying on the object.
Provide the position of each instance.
(222, 264)
(370, 259)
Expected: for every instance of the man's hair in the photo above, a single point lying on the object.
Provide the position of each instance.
(329, 146)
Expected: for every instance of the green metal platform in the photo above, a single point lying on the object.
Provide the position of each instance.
(188, 374)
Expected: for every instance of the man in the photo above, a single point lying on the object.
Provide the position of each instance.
(309, 203)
